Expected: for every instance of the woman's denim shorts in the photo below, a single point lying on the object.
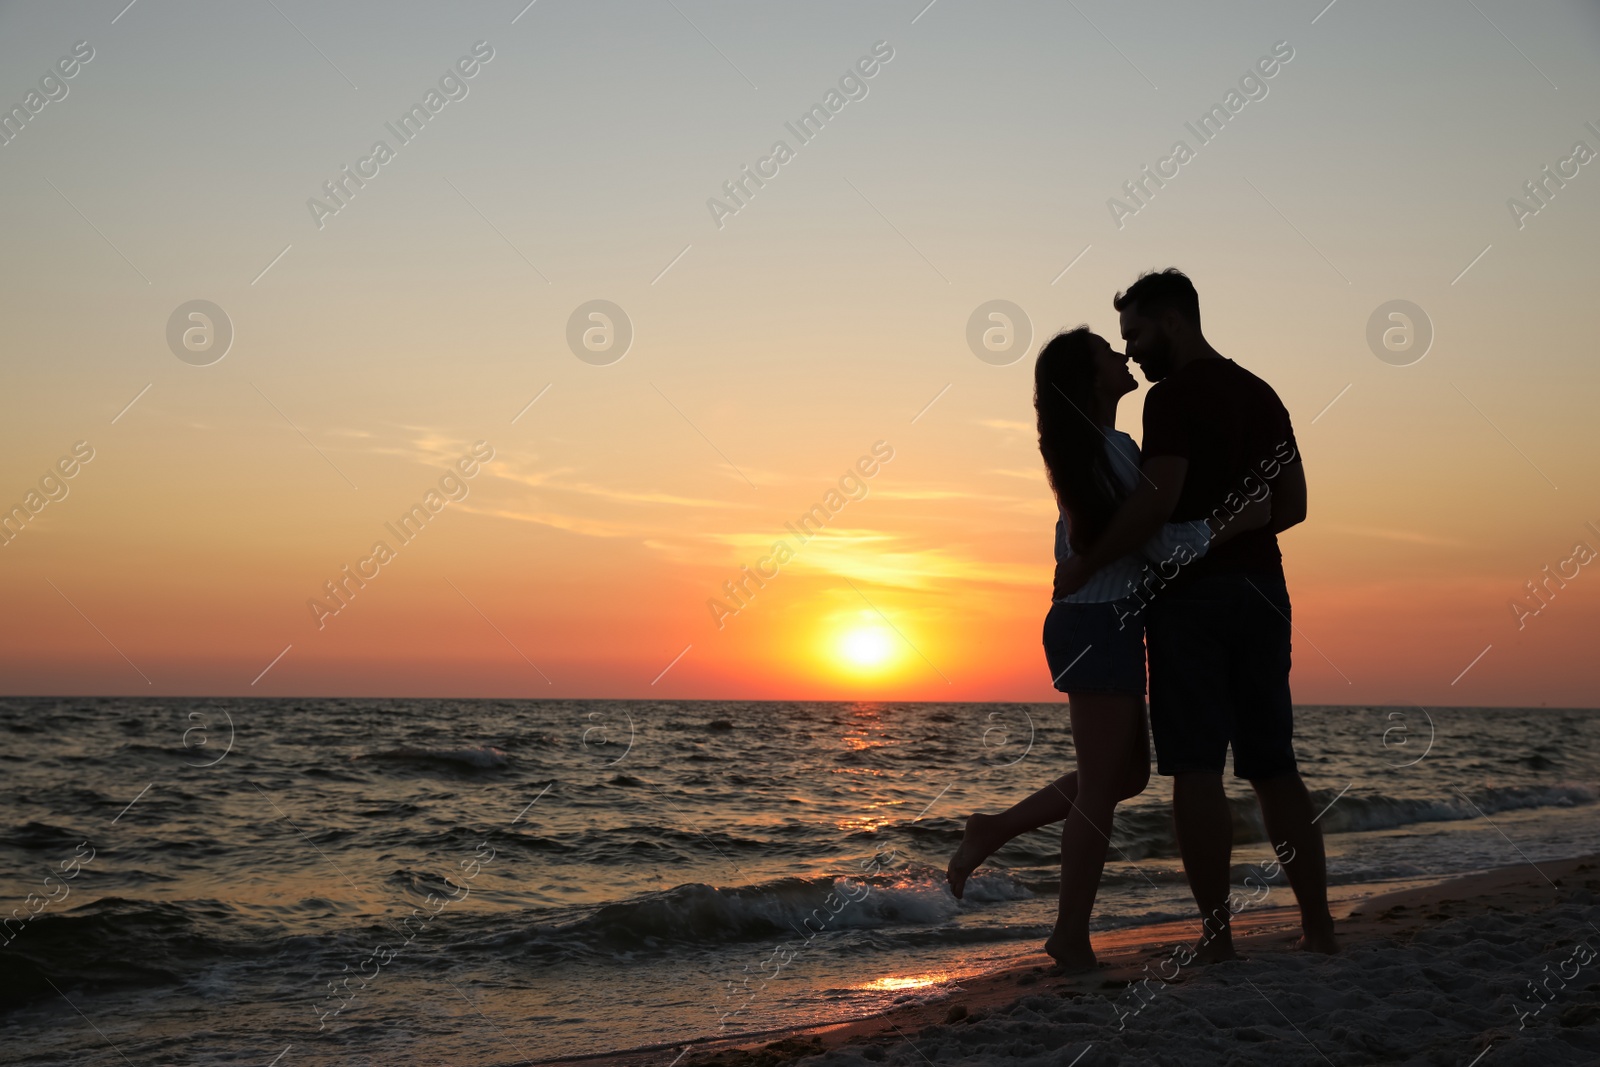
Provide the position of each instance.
(1096, 648)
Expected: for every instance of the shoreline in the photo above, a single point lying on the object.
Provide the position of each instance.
(1130, 960)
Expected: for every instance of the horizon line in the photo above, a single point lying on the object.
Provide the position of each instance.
(742, 700)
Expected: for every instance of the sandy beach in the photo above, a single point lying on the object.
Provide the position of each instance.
(1499, 967)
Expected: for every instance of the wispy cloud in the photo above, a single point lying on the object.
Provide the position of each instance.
(553, 482)
(1008, 425)
(930, 568)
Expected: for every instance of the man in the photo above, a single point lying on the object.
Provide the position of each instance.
(1218, 626)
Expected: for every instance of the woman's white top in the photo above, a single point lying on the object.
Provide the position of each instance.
(1121, 578)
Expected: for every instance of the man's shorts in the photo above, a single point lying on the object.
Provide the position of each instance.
(1219, 675)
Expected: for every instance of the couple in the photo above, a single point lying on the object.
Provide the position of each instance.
(1177, 542)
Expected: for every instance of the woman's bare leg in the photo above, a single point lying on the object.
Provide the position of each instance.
(1109, 734)
(985, 834)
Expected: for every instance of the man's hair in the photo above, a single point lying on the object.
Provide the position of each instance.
(1159, 290)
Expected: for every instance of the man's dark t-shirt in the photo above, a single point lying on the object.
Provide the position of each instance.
(1235, 433)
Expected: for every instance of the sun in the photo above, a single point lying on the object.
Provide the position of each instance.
(866, 646)
(859, 647)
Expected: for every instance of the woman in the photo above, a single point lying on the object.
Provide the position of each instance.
(1094, 638)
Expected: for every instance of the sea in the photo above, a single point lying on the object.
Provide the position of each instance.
(313, 881)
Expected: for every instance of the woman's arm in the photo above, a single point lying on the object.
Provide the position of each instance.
(1253, 516)
(1188, 539)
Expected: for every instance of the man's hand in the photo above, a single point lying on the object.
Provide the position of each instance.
(1289, 498)
(1071, 575)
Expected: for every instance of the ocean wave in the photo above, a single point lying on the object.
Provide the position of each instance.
(1356, 813)
(1146, 833)
(787, 906)
(477, 757)
(988, 885)
(35, 835)
(110, 943)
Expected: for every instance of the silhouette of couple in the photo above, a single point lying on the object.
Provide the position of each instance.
(1176, 542)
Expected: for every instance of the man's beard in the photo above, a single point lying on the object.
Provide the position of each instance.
(1156, 359)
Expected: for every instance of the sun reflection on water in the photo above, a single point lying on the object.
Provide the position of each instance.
(899, 982)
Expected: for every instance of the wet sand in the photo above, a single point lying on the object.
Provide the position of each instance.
(1499, 964)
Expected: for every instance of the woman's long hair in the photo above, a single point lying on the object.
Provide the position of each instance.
(1073, 447)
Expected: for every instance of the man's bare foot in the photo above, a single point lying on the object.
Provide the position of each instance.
(1216, 949)
(1318, 939)
(1072, 957)
(978, 842)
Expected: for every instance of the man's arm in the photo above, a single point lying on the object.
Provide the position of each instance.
(1149, 506)
(1288, 498)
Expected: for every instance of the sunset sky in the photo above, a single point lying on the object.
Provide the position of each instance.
(773, 346)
